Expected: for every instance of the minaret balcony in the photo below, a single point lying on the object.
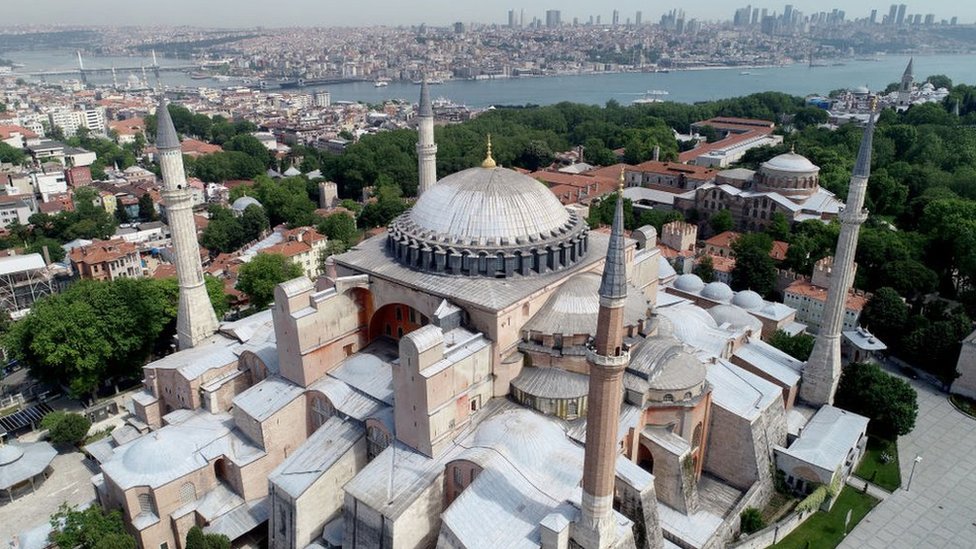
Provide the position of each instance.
(621, 360)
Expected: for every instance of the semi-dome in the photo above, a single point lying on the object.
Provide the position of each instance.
(156, 453)
(689, 283)
(791, 162)
(488, 221)
(748, 300)
(717, 291)
(678, 371)
(573, 308)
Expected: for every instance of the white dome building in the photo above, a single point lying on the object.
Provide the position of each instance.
(789, 174)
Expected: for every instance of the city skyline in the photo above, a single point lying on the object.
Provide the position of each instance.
(246, 13)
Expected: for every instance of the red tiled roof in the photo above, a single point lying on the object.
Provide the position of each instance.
(674, 168)
(196, 147)
(855, 300)
(102, 251)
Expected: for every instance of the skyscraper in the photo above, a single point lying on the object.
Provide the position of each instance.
(511, 19)
(607, 360)
(822, 370)
(616, 18)
(426, 147)
(900, 18)
(874, 17)
(892, 14)
(195, 318)
(637, 18)
(552, 18)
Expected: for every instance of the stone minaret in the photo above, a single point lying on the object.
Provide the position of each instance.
(426, 148)
(607, 360)
(822, 370)
(907, 79)
(195, 320)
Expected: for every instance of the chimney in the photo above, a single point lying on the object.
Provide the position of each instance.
(46, 254)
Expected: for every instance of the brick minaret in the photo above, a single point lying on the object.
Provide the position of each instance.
(822, 370)
(426, 148)
(607, 360)
(195, 319)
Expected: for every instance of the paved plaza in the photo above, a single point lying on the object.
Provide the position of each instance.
(70, 482)
(940, 509)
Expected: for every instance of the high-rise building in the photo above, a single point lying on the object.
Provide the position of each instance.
(788, 14)
(930, 19)
(637, 18)
(511, 19)
(892, 14)
(900, 18)
(552, 18)
(874, 17)
(755, 16)
(323, 99)
(195, 318)
(426, 147)
(616, 18)
(822, 371)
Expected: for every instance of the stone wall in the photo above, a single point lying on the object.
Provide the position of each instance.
(772, 533)
(965, 384)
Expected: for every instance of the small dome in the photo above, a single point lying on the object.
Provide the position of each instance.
(717, 291)
(155, 453)
(749, 300)
(678, 371)
(689, 283)
(861, 90)
(791, 162)
(736, 317)
(243, 202)
(10, 454)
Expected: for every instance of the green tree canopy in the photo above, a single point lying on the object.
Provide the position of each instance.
(754, 269)
(340, 227)
(259, 277)
(885, 314)
(798, 346)
(196, 539)
(90, 528)
(705, 269)
(889, 402)
(721, 221)
(66, 427)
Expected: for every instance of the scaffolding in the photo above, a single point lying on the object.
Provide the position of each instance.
(23, 280)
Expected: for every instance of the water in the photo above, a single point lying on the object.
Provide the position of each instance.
(683, 86)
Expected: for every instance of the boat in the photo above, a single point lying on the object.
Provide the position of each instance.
(651, 96)
(745, 73)
(199, 76)
(381, 84)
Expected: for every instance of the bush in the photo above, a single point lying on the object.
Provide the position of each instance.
(752, 520)
(66, 427)
(196, 539)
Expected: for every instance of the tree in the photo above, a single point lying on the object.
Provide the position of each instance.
(810, 116)
(387, 206)
(940, 81)
(754, 269)
(253, 223)
(886, 314)
(721, 221)
(11, 155)
(147, 209)
(91, 528)
(196, 539)
(779, 227)
(121, 215)
(66, 427)
(54, 249)
(752, 520)
(705, 269)
(889, 402)
(798, 346)
(340, 227)
(259, 277)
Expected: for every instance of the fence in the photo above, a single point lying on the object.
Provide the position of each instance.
(772, 533)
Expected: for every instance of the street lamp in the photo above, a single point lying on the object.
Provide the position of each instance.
(918, 459)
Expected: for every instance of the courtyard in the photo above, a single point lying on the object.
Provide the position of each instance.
(939, 510)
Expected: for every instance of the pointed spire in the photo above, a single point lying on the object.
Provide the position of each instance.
(489, 161)
(862, 167)
(425, 107)
(166, 137)
(614, 282)
(909, 70)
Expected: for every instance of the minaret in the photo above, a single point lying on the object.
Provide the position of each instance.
(426, 148)
(607, 360)
(195, 320)
(907, 79)
(822, 370)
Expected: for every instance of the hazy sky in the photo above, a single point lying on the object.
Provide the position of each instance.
(237, 13)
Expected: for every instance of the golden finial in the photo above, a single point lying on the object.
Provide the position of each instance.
(489, 161)
(622, 179)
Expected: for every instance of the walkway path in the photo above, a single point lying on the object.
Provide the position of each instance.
(874, 490)
(940, 510)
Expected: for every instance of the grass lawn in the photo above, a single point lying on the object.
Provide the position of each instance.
(967, 406)
(885, 475)
(826, 530)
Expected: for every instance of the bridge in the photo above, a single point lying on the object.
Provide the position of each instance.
(68, 72)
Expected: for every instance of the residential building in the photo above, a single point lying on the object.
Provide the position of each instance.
(106, 260)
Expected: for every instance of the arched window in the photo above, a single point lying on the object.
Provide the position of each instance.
(688, 395)
(188, 493)
(669, 398)
(145, 503)
(696, 436)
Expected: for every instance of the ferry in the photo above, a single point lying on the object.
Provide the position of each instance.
(381, 84)
(651, 96)
(199, 76)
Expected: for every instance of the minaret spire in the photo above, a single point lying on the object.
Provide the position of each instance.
(195, 318)
(822, 370)
(607, 360)
(426, 148)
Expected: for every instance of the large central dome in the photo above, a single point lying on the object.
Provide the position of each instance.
(488, 221)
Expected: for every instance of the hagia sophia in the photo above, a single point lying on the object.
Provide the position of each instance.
(489, 372)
